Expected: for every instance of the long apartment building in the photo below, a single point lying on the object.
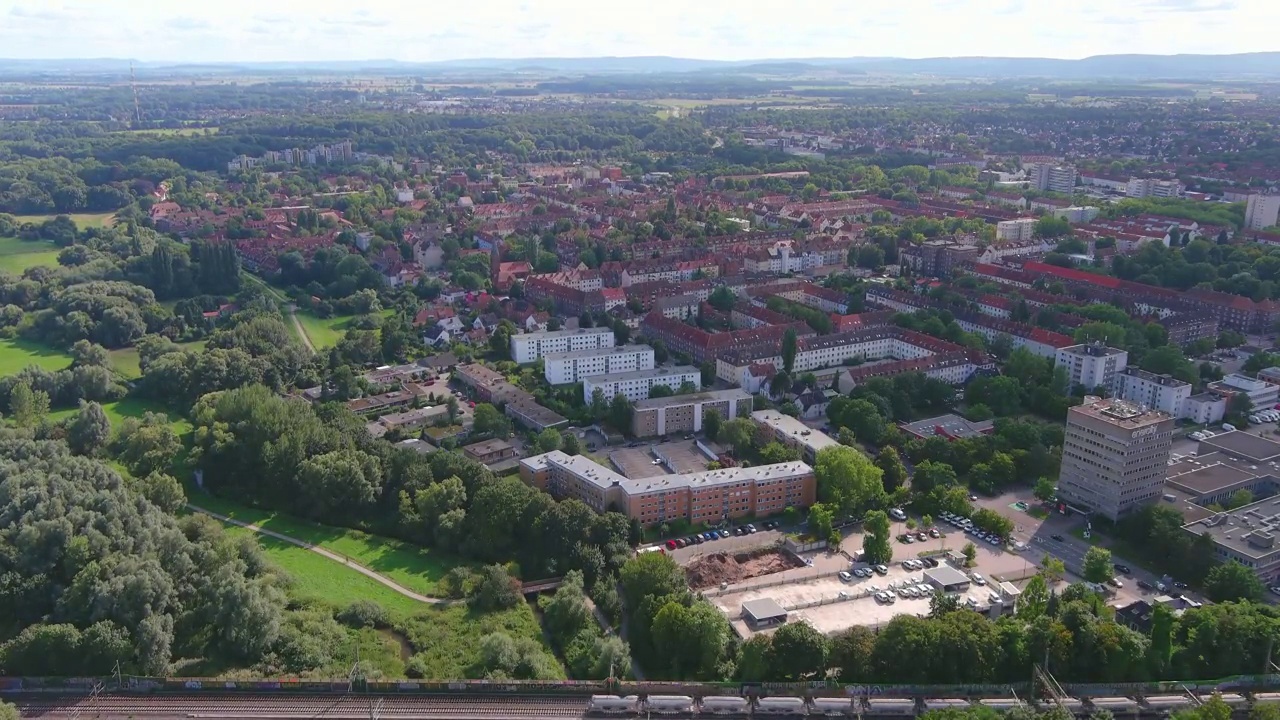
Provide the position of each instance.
(794, 434)
(1092, 365)
(637, 384)
(1036, 340)
(685, 413)
(573, 366)
(701, 345)
(877, 342)
(492, 387)
(711, 496)
(1115, 457)
(529, 347)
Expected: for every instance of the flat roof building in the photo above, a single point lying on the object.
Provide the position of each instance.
(1114, 457)
(947, 579)
(709, 496)
(764, 612)
(794, 434)
(528, 347)
(637, 384)
(571, 367)
(1246, 535)
(685, 413)
(1242, 446)
(1092, 365)
(1161, 392)
(948, 426)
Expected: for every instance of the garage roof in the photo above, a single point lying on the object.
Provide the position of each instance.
(945, 576)
(763, 609)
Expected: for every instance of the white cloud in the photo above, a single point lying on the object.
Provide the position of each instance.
(424, 30)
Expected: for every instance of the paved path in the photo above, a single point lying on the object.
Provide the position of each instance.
(302, 332)
(336, 557)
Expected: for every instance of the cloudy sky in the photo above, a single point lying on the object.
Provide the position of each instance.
(424, 30)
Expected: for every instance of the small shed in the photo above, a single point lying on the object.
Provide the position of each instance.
(947, 579)
(765, 612)
(1010, 592)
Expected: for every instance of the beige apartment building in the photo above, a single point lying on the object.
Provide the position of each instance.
(1114, 457)
(684, 413)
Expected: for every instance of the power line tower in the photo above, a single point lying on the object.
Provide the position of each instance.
(137, 107)
(1050, 686)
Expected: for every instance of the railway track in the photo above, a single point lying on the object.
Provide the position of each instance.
(267, 707)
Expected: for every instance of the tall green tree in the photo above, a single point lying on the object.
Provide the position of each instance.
(875, 539)
(788, 350)
(1097, 565)
(848, 479)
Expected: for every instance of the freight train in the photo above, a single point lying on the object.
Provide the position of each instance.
(733, 706)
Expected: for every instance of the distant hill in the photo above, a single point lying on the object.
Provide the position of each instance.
(1131, 67)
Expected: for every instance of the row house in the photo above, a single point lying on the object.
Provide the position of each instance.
(953, 367)
(662, 269)
(1037, 340)
(702, 346)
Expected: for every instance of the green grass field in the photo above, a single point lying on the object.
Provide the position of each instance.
(327, 332)
(127, 364)
(18, 255)
(413, 567)
(82, 220)
(17, 353)
(130, 408)
(320, 579)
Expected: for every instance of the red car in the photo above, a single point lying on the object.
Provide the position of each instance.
(671, 544)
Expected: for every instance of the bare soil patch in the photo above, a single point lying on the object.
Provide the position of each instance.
(718, 568)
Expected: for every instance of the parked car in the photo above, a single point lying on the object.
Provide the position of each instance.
(898, 514)
(671, 545)
(881, 570)
(751, 528)
(921, 536)
(724, 533)
(1123, 569)
(845, 576)
(1146, 585)
(978, 579)
(1057, 538)
(935, 533)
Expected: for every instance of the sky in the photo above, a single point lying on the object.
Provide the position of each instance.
(428, 30)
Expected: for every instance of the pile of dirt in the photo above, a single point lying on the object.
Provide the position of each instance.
(721, 568)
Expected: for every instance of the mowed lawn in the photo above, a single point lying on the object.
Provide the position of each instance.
(413, 567)
(17, 354)
(18, 255)
(327, 332)
(82, 220)
(128, 364)
(320, 579)
(130, 408)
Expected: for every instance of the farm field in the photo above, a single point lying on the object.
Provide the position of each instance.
(17, 353)
(18, 255)
(82, 220)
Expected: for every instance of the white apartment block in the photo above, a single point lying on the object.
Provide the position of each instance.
(1092, 365)
(528, 347)
(1151, 187)
(570, 367)
(1157, 392)
(1020, 230)
(1054, 178)
(636, 385)
(1077, 214)
(1262, 211)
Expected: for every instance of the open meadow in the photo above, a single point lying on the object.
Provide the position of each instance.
(18, 255)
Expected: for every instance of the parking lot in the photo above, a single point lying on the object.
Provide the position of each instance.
(835, 604)
(636, 463)
(731, 544)
(681, 456)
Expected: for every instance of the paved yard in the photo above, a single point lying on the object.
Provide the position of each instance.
(636, 463)
(682, 456)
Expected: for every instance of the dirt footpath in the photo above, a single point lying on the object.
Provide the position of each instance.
(718, 568)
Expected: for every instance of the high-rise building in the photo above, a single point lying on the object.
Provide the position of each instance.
(1262, 211)
(1114, 457)
(1054, 178)
(1092, 365)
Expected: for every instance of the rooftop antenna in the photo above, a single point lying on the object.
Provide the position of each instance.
(133, 83)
